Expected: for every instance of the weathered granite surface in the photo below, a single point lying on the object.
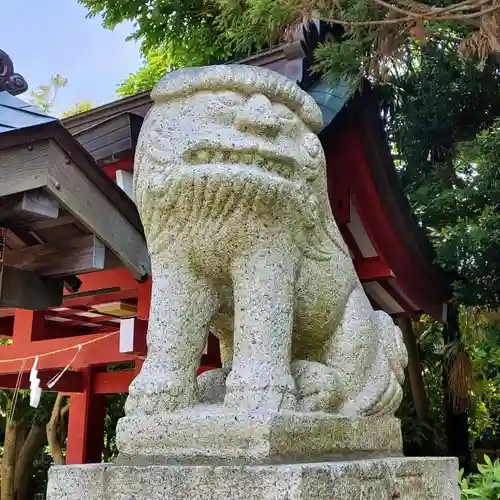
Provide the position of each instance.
(230, 184)
(208, 434)
(382, 479)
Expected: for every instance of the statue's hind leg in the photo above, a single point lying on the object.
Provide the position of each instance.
(368, 354)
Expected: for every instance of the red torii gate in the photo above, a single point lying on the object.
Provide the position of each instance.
(88, 381)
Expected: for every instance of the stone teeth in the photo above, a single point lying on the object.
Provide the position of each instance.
(247, 158)
(207, 156)
(218, 157)
(202, 156)
(259, 160)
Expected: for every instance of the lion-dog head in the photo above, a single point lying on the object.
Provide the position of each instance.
(232, 141)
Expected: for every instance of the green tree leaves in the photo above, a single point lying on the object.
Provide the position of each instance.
(45, 95)
(77, 108)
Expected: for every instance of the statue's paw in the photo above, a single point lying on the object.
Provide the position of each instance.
(389, 401)
(212, 385)
(277, 394)
(161, 393)
(319, 386)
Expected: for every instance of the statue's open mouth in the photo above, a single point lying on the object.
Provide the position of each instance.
(272, 162)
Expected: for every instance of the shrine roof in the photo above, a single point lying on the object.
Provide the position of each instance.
(61, 215)
(17, 114)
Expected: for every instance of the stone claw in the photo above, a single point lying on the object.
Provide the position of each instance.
(149, 396)
(319, 386)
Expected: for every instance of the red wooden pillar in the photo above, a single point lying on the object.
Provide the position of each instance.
(86, 423)
(144, 300)
(212, 357)
(28, 326)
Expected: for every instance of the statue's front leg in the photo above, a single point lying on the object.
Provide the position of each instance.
(263, 284)
(182, 305)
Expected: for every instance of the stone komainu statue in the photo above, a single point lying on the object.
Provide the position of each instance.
(230, 183)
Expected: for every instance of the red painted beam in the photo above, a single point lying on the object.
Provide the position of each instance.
(113, 382)
(144, 300)
(112, 278)
(77, 321)
(111, 168)
(373, 269)
(55, 330)
(104, 351)
(28, 326)
(118, 382)
(378, 224)
(70, 382)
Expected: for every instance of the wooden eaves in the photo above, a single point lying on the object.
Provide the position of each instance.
(63, 217)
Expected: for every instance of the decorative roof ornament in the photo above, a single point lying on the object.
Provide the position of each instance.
(12, 82)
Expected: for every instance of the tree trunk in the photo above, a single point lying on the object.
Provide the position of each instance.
(24, 464)
(53, 431)
(9, 461)
(457, 427)
(20, 438)
(414, 369)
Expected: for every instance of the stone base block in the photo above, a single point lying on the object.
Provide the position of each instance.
(202, 435)
(381, 479)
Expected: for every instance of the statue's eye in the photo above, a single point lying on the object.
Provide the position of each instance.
(220, 107)
(284, 112)
(230, 99)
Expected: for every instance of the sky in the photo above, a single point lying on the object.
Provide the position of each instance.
(45, 37)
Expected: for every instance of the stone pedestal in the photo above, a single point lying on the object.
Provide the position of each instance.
(212, 453)
(218, 436)
(375, 479)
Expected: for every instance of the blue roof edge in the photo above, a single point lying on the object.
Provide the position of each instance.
(16, 114)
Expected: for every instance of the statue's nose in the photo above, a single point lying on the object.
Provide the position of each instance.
(258, 117)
